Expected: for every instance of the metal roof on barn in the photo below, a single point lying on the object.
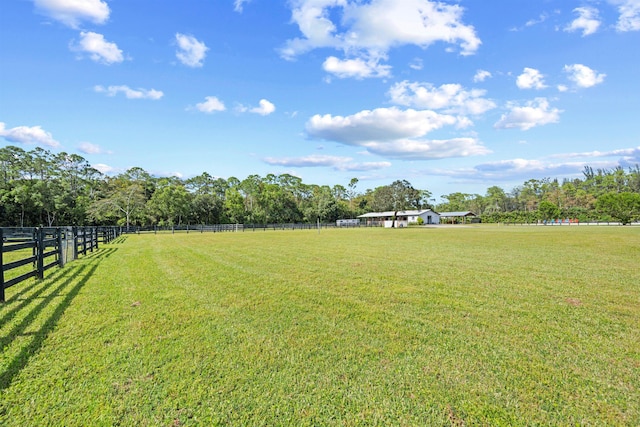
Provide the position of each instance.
(457, 214)
(391, 214)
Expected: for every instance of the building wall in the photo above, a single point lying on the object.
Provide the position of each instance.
(430, 218)
(399, 223)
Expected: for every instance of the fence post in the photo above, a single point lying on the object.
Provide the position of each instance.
(59, 243)
(74, 233)
(34, 249)
(40, 252)
(1, 267)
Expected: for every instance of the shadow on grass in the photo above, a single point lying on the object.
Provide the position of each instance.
(67, 284)
(21, 299)
(120, 239)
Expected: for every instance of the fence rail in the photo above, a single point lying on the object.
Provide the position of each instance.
(44, 248)
(221, 228)
(568, 223)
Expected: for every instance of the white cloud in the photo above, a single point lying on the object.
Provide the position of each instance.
(130, 93)
(559, 165)
(358, 68)
(629, 19)
(534, 113)
(73, 12)
(369, 30)
(191, 52)
(98, 48)
(543, 17)
(518, 170)
(335, 162)
(583, 76)
(375, 125)
(238, 5)
(530, 79)
(424, 149)
(535, 168)
(394, 133)
(512, 164)
(364, 166)
(627, 154)
(481, 75)
(588, 21)
(264, 109)
(451, 98)
(104, 169)
(89, 148)
(210, 105)
(526, 168)
(416, 64)
(28, 135)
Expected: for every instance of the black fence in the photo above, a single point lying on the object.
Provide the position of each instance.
(215, 228)
(221, 228)
(29, 252)
(567, 223)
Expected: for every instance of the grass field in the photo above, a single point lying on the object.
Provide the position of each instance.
(451, 326)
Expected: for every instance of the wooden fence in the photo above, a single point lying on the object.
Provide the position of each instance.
(36, 250)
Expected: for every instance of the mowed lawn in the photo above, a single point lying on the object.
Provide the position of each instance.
(461, 326)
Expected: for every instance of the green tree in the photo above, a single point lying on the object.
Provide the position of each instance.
(234, 210)
(250, 189)
(634, 179)
(12, 161)
(455, 202)
(123, 201)
(321, 205)
(352, 192)
(170, 203)
(276, 204)
(624, 207)
(23, 196)
(496, 200)
(548, 210)
(207, 203)
(530, 195)
(399, 195)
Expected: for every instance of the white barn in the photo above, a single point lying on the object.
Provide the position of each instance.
(400, 218)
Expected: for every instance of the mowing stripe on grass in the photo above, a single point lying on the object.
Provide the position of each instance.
(478, 325)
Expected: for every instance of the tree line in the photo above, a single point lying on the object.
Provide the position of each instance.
(38, 187)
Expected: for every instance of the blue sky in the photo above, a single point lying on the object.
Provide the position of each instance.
(451, 96)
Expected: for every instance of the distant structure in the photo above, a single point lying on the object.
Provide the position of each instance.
(348, 222)
(400, 219)
(457, 217)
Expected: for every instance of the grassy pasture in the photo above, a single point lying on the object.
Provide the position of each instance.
(451, 326)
